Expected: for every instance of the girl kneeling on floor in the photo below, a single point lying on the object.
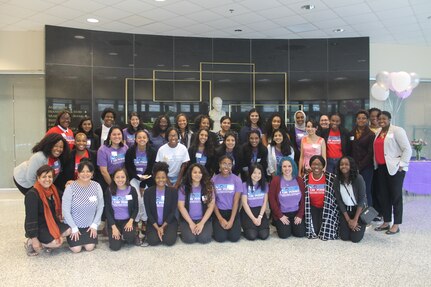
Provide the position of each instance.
(196, 205)
(228, 190)
(121, 208)
(286, 198)
(254, 200)
(82, 208)
(161, 205)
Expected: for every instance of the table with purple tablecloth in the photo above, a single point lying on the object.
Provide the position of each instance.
(418, 177)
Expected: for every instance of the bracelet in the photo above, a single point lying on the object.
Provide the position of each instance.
(260, 216)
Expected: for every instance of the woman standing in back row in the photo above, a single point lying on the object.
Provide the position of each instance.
(392, 152)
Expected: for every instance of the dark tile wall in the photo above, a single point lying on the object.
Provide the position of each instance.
(86, 71)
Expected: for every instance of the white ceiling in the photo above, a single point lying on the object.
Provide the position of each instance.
(406, 22)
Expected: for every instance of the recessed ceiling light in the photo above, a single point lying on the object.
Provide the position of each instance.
(80, 37)
(92, 20)
(304, 80)
(339, 30)
(340, 78)
(307, 7)
(113, 54)
(238, 30)
(160, 0)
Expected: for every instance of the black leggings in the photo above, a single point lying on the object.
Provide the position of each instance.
(128, 236)
(169, 237)
(316, 216)
(285, 231)
(251, 231)
(188, 237)
(346, 233)
(221, 234)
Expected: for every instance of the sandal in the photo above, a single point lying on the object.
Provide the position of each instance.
(29, 249)
(380, 228)
(389, 232)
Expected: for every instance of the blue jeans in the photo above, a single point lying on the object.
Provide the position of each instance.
(331, 164)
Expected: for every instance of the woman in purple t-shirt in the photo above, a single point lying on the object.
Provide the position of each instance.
(161, 206)
(286, 199)
(121, 208)
(196, 205)
(228, 189)
(254, 200)
(111, 155)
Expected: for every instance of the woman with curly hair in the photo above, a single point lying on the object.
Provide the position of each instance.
(196, 205)
(202, 151)
(204, 122)
(158, 132)
(274, 122)
(351, 199)
(52, 150)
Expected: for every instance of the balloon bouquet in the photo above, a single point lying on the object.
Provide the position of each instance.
(401, 83)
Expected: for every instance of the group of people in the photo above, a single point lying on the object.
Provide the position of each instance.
(316, 177)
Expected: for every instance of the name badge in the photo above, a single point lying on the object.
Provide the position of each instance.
(258, 160)
(114, 153)
(198, 155)
(204, 198)
(92, 198)
(88, 143)
(352, 138)
(129, 197)
(141, 169)
(390, 136)
(314, 145)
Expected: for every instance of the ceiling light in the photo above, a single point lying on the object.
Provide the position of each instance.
(304, 80)
(307, 7)
(339, 30)
(79, 37)
(113, 54)
(92, 20)
(160, 0)
(340, 78)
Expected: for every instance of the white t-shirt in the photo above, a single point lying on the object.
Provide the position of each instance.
(174, 157)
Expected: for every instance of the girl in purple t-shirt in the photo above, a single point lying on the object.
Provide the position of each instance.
(254, 200)
(228, 189)
(161, 205)
(287, 200)
(121, 208)
(196, 205)
(111, 155)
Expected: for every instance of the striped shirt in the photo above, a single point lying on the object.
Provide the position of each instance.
(82, 205)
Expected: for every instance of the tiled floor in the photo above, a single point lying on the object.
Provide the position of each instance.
(379, 260)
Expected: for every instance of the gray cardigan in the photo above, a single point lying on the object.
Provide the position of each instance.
(358, 186)
(25, 173)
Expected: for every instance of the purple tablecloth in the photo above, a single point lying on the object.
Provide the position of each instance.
(418, 178)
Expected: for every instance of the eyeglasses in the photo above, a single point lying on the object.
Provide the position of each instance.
(226, 164)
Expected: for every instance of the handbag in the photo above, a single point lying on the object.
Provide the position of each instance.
(368, 214)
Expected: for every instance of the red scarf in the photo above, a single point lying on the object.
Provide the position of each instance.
(50, 220)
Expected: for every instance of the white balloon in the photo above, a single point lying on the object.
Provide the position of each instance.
(379, 93)
(383, 78)
(400, 81)
(414, 82)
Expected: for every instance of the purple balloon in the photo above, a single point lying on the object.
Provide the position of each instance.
(404, 94)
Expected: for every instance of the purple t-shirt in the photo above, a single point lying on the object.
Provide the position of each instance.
(201, 158)
(225, 189)
(129, 138)
(111, 158)
(160, 204)
(278, 156)
(299, 135)
(195, 203)
(141, 161)
(289, 196)
(120, 204)
(255, 195)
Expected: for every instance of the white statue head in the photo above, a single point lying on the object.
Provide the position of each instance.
(217, 104)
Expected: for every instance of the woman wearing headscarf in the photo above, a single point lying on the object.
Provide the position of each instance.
(297, 132)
